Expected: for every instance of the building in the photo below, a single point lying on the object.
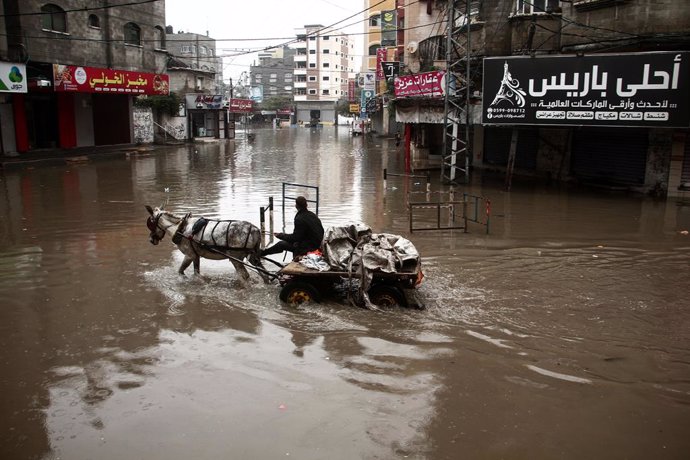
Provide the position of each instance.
(323, 64)
(274, 72)
(196, 76)
(82, 65)
(532, 103)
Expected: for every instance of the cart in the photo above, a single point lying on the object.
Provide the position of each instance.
(302, 284)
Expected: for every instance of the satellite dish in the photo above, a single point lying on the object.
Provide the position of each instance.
(412, 47)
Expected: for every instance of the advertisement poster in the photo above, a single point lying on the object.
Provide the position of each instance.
(97, 80)
(389, 28)
(632, 89)
(12, 78)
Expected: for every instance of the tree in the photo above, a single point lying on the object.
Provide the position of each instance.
(276, 103)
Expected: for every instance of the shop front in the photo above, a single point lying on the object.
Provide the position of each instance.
(13, 85)
(205, 115)
(81, 106)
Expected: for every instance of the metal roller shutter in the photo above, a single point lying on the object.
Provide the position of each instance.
(685, 172)
(497, 147)
(610, 156)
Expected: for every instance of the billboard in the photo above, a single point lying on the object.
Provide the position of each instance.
(80, 79)
(389, 28)
(12, 78)
(256, 93)
(427, 84)
(204, 101)
(632, 89)
(245, 106)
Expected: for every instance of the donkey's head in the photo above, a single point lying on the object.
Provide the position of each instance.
(153, 223)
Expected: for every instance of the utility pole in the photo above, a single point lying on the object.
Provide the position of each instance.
(455, 162)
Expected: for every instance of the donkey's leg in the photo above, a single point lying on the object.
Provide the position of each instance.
(197, 263)
(186, 263)
(241, 270)
(255, 260)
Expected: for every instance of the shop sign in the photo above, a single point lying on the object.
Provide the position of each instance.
(389, 28)
(284, 112)
(351, 90)
(241, 105)
(631, 89)
(427, 84)
(381, 55)
(12, 78)
(97, 80)
(204, 101)
(354, 108)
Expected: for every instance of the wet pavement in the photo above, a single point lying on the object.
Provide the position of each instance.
(563, 333)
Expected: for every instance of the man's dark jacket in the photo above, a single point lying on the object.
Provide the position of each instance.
(308, 232)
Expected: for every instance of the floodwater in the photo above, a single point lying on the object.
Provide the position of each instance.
(563, 333)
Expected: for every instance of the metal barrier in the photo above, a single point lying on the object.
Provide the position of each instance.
(470, 205)
(287, 186)
(262, 219)
(412, 176)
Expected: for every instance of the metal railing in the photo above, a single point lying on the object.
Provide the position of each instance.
(294, 188)
(262, 220)
(470, 205)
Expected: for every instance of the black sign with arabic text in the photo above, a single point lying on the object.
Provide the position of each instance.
(632, 89)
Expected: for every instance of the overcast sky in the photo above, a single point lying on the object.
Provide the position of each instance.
(275, 20)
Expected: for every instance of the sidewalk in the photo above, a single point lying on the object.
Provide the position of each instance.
(62, 156)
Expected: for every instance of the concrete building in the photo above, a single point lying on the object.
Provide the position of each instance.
(323, 63)
(275, 72)
(517, 45)
(199, 53)
(82, 64)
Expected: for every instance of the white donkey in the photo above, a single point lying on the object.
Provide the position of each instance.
(198, 237)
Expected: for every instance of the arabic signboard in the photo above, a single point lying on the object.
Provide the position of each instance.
(380, 57)
(96, 80)
(367, 80)
(391, 69)
(12, 78)
(204, 101)
(632, 89)
(241, 105)
(389, 28)
(428, 84)
(351, 90)
(354, 108)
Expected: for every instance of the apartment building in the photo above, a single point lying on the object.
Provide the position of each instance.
(274, 72)
(323, 62)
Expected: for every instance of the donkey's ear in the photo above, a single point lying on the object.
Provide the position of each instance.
(148, 208)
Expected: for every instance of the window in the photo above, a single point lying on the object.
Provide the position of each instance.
(132, 34)
(301, 51)
(325, 92)
(326, 65)
(203, 50)
(288, 76)
(326, 51)
(199, 82)
(160, 36)
(274, 75)
(312, 65)
(53, 18)
(312, 78)
(326, 37)
(375, 20)
(187, 49)
(301, 65)
(535, 6)
(373, 48)
(312, 51)
(312, 91)
(313, 37)
(94, 21)
(301, 78)
(287, 88)
(326, 78)
(301, 91)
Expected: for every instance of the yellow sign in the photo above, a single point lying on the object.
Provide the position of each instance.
(354, 108)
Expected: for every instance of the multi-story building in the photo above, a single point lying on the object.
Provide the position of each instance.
(323, 63)
(82, 64)
(274, 72)
(199, 53)
(587, 91)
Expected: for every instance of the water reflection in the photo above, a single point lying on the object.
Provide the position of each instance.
(567, 315)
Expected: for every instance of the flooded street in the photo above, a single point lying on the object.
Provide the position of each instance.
(563, 333)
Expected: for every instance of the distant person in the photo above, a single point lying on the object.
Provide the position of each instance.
(306, 237)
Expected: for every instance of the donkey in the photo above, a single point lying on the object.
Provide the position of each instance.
(198, 237)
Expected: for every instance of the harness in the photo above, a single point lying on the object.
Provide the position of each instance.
(199, 227)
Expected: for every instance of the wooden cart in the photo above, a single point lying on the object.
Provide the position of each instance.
(302, 284)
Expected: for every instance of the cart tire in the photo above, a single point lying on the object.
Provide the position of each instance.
(299, 292)
(384, 295)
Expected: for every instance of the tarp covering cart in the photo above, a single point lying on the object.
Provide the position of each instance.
(385, 269)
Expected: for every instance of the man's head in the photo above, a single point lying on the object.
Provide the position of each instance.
(301, 203)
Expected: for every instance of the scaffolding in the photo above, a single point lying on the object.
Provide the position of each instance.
(456, 140)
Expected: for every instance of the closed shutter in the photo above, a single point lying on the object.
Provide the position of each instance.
(685, 172)
(497, 147)
(610, 156)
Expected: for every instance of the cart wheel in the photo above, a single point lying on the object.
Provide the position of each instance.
(299, 292)
(384, 295)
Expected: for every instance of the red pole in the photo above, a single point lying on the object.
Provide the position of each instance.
(408, 139)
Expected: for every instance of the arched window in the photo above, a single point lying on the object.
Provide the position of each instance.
(53, 18)
(373, 48)
(94, 21)
(132, 34)
(160, 33)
